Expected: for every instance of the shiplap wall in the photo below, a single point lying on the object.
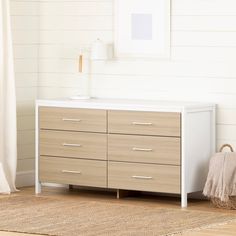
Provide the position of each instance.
(202, 66)
(25, 22)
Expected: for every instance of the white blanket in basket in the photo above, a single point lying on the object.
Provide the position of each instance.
(221, 179)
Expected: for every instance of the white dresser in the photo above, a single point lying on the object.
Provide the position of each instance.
(151, 146)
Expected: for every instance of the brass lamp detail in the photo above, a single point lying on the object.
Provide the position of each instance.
(80, 63)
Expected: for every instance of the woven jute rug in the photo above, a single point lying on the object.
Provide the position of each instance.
(67, 217)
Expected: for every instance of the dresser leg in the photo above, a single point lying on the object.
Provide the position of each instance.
(122, 193)
(38, 188)
(184, 200)
(70, 187)
(126, 193)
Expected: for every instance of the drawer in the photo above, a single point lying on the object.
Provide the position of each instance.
(144, 177)
(73, 144)
(73, 119)
(146, 149)
(73, 171)
(146, 123)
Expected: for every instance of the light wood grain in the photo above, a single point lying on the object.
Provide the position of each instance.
(146, 149)
(73, 144)
(72, 119)
(83, 172)
(146, 123)
(145, 177)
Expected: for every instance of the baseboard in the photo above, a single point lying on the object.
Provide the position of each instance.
(25, 178)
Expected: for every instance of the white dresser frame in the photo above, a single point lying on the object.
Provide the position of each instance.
(197, 134)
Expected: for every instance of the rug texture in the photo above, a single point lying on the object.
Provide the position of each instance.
(67, 217)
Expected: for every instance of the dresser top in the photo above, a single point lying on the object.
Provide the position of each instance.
(124, 104)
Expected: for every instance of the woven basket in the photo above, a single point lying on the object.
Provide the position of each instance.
(231, 203)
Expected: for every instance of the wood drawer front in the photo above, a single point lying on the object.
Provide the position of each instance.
(146, 123)
(73, 119)
(144, 177)
(73, 144)
(146, 149)
(73, 171)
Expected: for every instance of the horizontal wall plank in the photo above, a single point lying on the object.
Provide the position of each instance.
(26, 65)
(76, 23)
(203, 23)
(25, 22)
(226, 116)
(25, 165)
(222, 100)
(203, 7)
(60, 92)
(27, 37)
(82, 38)
(27, 80)
(210, 39)
(104, 1)
(179, 38)
(71, 51)
(167, 84)
(26, 94)
(66, 51)
(161, 67)
(25, 122)
(25, 137)
(24, 8)
(119, 80)
(26, 151)
(209, 54)
(63, 65)
(26, 107)
(75, 8)
(59, 80)
(226, 132)
(25, 51)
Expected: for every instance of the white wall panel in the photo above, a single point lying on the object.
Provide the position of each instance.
(24, 8)
(26, 151)
(79, 38)
(204, 7)
(75, 8)
(204, 23)
(76, 23)
(25, 37)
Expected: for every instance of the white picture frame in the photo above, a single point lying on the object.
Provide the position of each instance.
(142, 28)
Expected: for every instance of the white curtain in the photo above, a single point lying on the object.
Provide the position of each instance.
(8, 135)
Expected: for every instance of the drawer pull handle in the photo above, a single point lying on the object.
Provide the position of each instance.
(141, 123)
(71, 145)
(141, 177)
(142, 149)
(72, 120)
(71, 172)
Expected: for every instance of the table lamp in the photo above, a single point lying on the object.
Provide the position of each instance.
(99, 51)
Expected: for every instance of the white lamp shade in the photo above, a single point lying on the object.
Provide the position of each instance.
(99, 50)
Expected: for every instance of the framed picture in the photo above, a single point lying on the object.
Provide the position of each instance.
(142, 28)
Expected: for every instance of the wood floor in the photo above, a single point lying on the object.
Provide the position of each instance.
(171, 202)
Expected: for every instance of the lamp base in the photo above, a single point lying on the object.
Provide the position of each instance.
(80, 97)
